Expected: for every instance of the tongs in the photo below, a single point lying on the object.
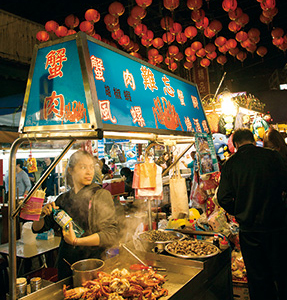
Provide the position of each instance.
(142, 265)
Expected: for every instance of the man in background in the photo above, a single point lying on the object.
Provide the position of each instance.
(251, 186)
(51, 182)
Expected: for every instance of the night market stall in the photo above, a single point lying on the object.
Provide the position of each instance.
(82, 89)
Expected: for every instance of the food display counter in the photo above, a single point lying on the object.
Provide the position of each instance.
(204, 279)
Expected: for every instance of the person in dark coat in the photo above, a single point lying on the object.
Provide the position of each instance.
(251, 186)
(51, 182)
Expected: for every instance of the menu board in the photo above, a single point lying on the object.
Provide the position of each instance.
(80, 82)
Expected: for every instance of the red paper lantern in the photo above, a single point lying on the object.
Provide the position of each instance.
(140, 30)
(201, 52)
(42, 36)
(152, 52)
(144, 3)
(278, 42)
(241, 56)
(277, 33)
(221, 59)
(171, 4)
(158, 59)
(135, 54)
(268, 4)
(229, 5)
(231, 44)
(220, 41)
(116, 9)
(243, 20)
(234, 27)
(124, 40)
(71, 21)
(176, 28)
(202, 24)
(116, 35)
(233, 51)
(215, 26)
(246, 44)
(271, 13)
(133, 22)
(71, 32)
(166, 23)
(205, 62)
(148, 35)
(172, 66)
(61, 31)
(265, 20)
(113, 28)
(168, 38)
(251, 48)
(190, 32)
(138, 12)
(194, 4)
(235, 14)
(210, 48)
(197, 15)
(111, 20)
(92, 15)
(179, 56)
(181, 38)
(51, 26)
(253, 33)
(196, 46)
(97, 37)
(209, 33)
(211, 56)
(262, 51)
(86, 27)
(223, 49)
(189, 52)
(191, 58)
(173, 50)
(188, 65)
(241, 36)
(146, 43)
(168, 60)
(157, 43)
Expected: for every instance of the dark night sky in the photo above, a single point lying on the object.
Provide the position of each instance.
(252, 75)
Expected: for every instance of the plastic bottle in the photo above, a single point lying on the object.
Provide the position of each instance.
(216, 240)
(64, 220)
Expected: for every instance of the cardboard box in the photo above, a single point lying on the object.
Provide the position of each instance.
(115, 187)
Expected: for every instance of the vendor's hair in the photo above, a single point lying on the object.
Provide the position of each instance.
(74, 159)
(20, 162)
(274, 140)
(242, 135)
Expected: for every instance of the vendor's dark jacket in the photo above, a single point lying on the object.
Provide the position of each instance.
(92, 208)
(251, 186)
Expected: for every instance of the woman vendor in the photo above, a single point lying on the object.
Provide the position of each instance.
(90, 206)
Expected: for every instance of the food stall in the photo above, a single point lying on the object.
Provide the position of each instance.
(82, 89)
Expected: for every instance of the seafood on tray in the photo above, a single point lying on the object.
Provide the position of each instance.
(120, 285)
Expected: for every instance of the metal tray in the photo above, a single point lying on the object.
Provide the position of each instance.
(193, 256)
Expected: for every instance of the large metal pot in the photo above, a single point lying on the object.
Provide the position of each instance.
(86, 269)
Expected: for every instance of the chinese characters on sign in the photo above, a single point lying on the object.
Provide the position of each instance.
(55, 59)
(98, 67)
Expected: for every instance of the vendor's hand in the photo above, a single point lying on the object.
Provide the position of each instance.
(69, 235)
(47, 209)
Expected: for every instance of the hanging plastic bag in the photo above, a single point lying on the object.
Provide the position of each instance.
(147, 173)
(178, 195)
(33, 207)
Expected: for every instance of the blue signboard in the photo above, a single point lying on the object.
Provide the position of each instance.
(80, 82)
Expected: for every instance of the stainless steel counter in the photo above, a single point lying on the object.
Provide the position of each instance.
(208, 279)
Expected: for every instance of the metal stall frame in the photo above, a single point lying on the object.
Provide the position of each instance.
(80, 85)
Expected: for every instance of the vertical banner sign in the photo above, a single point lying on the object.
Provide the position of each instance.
(206, 154)
(201, 78)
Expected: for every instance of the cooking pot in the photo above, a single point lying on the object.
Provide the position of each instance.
(86, 269)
